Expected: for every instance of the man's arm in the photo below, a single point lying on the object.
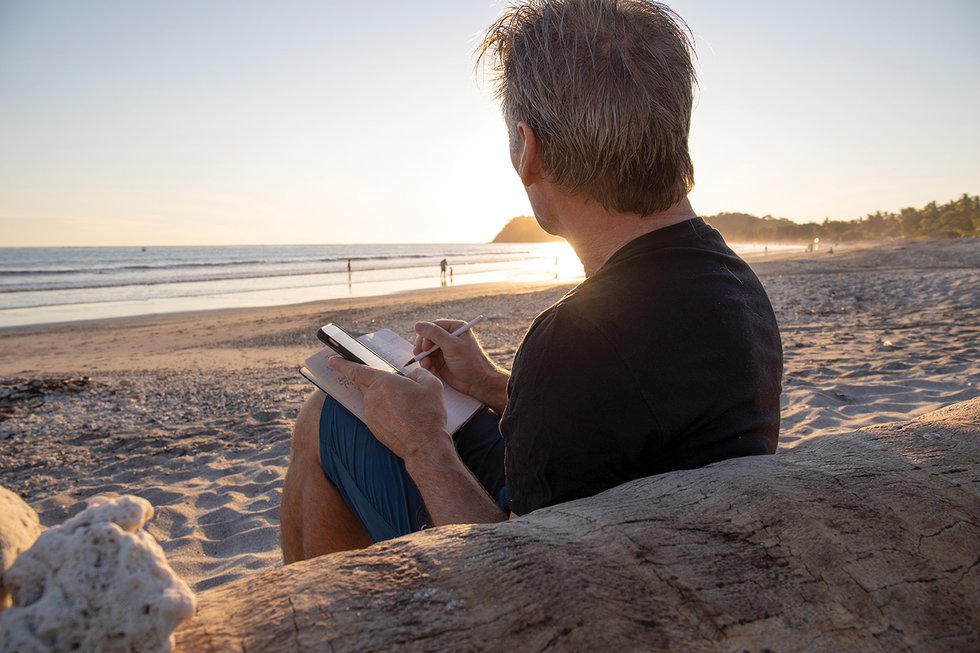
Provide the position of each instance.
(407, 415)
(451, 493)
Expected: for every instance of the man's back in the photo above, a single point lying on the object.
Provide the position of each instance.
(667, 358)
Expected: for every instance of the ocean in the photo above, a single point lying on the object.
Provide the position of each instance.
(59, 284)
(42, 285)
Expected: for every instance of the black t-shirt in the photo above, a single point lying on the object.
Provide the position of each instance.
(667, 358)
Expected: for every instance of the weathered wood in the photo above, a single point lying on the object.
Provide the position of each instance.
(868, 541)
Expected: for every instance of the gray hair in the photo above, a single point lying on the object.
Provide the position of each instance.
(607, 85)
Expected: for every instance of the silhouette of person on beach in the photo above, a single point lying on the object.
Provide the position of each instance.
(348, 271)
(643, 368)
(443, 264)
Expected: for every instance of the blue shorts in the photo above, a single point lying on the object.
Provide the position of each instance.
(373, 481)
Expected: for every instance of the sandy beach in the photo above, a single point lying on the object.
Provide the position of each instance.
(193, 411)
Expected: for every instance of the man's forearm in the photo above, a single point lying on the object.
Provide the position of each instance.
(451, 493)
(493, 390)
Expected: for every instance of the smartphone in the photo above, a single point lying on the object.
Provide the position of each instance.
(347, 346)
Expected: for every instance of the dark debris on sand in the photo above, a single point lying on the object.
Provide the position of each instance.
(29, 394)
(56, 432)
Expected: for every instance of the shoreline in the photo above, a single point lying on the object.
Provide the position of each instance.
(101, 284)
(488, 287)
(152, 339)
(194, 411)
(84, 291)
(342, 303)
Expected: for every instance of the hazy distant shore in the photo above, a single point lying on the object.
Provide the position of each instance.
(193, 410)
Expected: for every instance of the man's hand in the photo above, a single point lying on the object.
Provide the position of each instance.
(461, 362)
(405, 413)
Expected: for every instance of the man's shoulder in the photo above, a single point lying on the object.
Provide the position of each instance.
(569, 333)
(571, 308)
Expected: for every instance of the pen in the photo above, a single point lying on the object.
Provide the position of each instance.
(458, 332)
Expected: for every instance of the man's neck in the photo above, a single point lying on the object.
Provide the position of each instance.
(596, 234)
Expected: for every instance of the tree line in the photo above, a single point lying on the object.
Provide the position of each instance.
(955, 219)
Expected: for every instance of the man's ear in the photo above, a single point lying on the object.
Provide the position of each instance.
(528, 155)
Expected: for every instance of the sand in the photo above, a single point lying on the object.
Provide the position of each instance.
(194, 411)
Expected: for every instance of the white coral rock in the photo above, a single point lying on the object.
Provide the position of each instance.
(98, 582)
(19, 527)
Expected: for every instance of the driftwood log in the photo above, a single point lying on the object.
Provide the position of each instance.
(867, 541)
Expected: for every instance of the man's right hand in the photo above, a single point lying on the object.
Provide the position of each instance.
(462, 363)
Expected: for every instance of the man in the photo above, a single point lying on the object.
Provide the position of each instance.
(666, 357)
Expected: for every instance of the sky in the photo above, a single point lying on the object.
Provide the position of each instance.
(211, 122)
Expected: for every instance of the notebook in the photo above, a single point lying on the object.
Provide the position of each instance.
(387, 344)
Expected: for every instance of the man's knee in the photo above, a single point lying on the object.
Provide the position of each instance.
(306, 431)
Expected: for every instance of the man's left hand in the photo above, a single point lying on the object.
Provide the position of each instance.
(405, 413)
